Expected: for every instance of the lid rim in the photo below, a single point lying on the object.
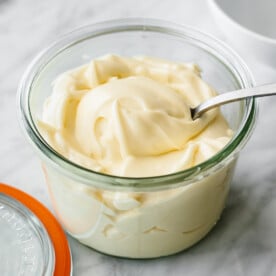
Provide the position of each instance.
(62, 262)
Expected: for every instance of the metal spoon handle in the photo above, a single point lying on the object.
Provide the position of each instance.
(257, 91)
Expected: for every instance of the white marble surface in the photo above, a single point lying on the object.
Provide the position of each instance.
(243, 242)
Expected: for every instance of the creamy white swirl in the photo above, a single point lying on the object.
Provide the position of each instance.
(130, 117)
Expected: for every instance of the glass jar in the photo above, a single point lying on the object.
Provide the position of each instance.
(138, 217)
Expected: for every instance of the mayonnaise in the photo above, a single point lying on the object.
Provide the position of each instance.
(131, 117)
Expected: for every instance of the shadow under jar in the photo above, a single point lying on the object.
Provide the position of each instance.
(138, 217)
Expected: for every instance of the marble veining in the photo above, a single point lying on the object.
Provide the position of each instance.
(244, 240)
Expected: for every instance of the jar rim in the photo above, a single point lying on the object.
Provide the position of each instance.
(215, 47)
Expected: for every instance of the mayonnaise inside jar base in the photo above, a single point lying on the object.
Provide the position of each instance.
(140, 225)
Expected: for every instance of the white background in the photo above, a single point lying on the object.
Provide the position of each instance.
(244, 241)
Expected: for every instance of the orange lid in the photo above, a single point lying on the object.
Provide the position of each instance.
(55, 231)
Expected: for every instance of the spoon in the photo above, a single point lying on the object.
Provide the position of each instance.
(233, 96)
